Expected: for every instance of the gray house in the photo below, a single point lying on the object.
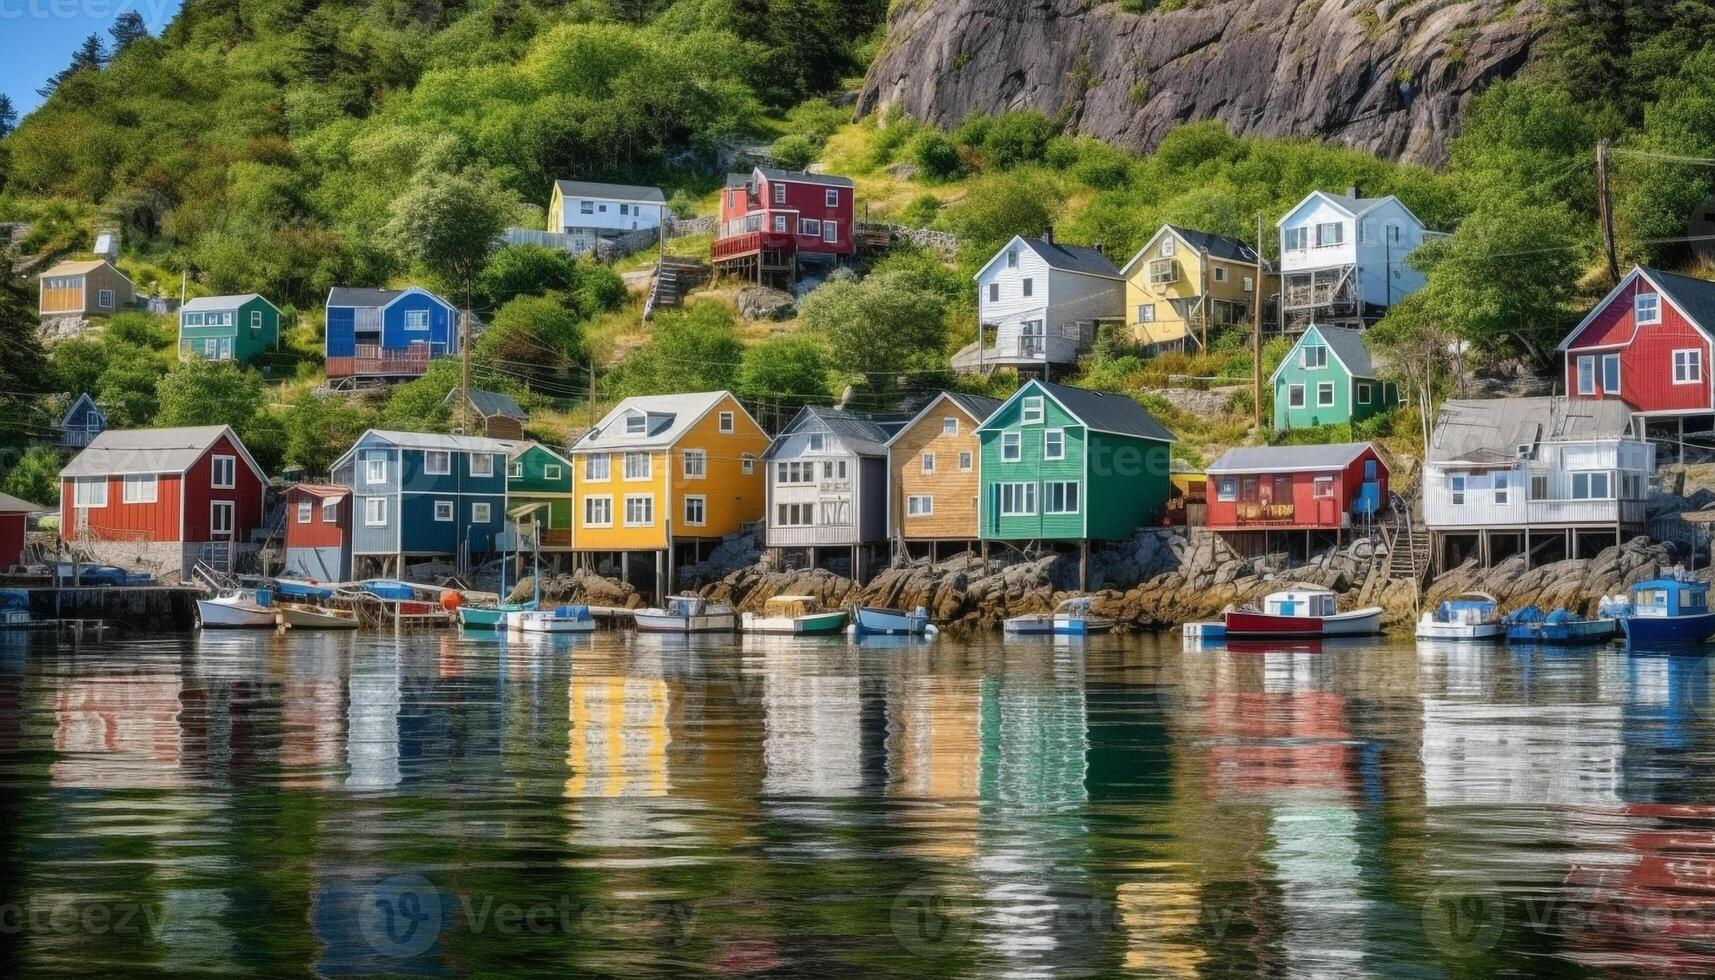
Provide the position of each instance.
(827, 486)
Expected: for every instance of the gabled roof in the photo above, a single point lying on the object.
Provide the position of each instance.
(12, 505)
(204, 304)
(804, 177)
(1474, 430)
(1347, 346)
(76, 404)
(519, 449)
(1287, 459)
(667, 418)
(490, 404)
(1218, 246)
(1080, 259)
(615, 192)
(117, 452)
(863, 435)
(79, 268)
(365, 297)
(437, 440)
(1099, 411)
(1355, 206)
(975, 406)
(1693, 297)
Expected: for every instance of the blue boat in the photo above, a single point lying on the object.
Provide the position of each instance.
(1667, 610)
(1558, 628)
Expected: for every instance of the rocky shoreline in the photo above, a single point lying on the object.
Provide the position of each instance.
(1158, 580)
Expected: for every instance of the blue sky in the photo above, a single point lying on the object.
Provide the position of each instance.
(37, 37)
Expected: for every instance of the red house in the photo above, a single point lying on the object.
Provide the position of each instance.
(318, 532)
(1295, 488)
(1647, 343)
(14, 513)
(163, 499)
(774, 221)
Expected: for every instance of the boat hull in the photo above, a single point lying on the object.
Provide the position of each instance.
(654, 621)
(1668, 629)
(1081, 625)
(547, 621)
(891, 622)
(486, 617)
(225, 616)
(317, 619)
(818, 624)
(1459, 631)
(1360, 622)
(1562, 634)
(1039, 624)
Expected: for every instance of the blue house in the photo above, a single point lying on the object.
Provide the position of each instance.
(387, 333)
(82, 423)
(423, 495)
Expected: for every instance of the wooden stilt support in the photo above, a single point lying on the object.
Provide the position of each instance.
(1084, 565)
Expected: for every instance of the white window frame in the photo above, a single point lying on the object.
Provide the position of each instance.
(698, 472)
(256, 319)
(230, 465)
(1296, 239)
(82, 496)
(779, 192)
(104, 298)
(702, 503)
(949, 427)
(920, 505)
(1069, 492)
(1322, 488)
(142, 482)
(230, 509)
(795, 515)
(648, 502)
(330, 511)
(1226, 489)
(605, 500)
(416, 319)
(926, 464)
(1022, 502)
(306, 511)
(1033, 410)
(601, 473)
(831, 197)
(818, 442)
(437, 462)
(1220, 273)
(747, 463)
(1316, 363)
(1586, 367)
(727, 420)
(648, 468)
(481, 464)
(481, 512)
(1146, 312)
(375, 512)
(1011, 447)
(1027, 286)
(994, 292)
(810, 227)
(375, 469)
(1500, 488)
(1337, 239)
(966, 462)
(1295, 396)
(1324, 394)
(1456, 489)
(1050, 436)
(1688, 366)
(636, 424)
(1646, 308)
(445, 511)
(515, 470)
(1614, 359)
(1362, 395)
(1167, 247)
(831, 232)
(552, 471)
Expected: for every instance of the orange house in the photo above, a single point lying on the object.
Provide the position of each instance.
(93, 288)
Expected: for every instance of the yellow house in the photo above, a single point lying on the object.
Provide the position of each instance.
(1183, 283)
(668, 474)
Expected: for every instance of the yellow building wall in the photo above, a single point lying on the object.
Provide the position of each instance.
(556, 211)
(618, 537)
(953, 490)
(1169, 326)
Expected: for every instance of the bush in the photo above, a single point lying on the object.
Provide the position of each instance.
(936, 156)
(1017, 138)
(921, 212)
(794, 152)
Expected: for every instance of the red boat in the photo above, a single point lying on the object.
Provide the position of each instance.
(1304, 611)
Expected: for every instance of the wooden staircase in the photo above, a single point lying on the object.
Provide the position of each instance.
(673, 279)
(1409, 553)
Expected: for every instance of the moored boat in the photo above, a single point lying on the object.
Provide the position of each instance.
(1070, 618)
(795, 615)
(1302, 611)
(237, 609)
(1558, 628)
(1667, 610)
(687, 614)
(561, 619)
(1467, 616)
(307, 616)
(892, 622)
(490, 617)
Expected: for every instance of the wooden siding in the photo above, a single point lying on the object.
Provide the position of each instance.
(954, 491)
(807, 201)
(1288, 500)
(316, 533)
(1555, 466)
(1061, 300)
(1646, 355)
(86, 298)
(1031, 468)
(1346, 407)
(1169, 325)
(120, 521)
(245, 495)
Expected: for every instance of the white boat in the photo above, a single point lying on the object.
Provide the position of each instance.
(1303, 611)
(304, 616)
(795, 615)
(564, 619)
(1467, 616)
(687, 614)
(235, 610)
(1070, 618)
(892, 622)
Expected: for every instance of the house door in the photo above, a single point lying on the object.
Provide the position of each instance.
(1033, 342)
(1326, 514)
(220, 520)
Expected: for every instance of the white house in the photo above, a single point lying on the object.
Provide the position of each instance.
(1042, 302)
(1550, 476)
(1342, 258)
(587, 211)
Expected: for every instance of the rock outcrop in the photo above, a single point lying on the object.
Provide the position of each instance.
(1387, 77)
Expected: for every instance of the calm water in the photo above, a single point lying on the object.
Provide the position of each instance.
(628, 805)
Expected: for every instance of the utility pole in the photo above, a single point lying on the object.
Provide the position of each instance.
(1605, 209)
(1256, 331)
(591, 396)
(464, 365)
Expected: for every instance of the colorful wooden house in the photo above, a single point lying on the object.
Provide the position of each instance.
(228, 328)
(494, 414)
(14, 515)
(92, 288)
(588, 212)
(1647, 343)
(386, 334)
(933, 481)
(539, 496)
(1343, 258)
(666, 476)
(828, 487)
(1182, 283)
(423, 495)
(1254, 492)
(1328, 378)
(773, 222)
(318, 532)
(1042, 301)
(82, 422)
(1549, 477)
(1067, 464)
(163, 499)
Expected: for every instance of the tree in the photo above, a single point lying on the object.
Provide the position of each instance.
(783, 373)
(879, 330)
(996, 208)
(128, 28)
(201, 392)
(23, 363)
(126, 389)
(91, 55)
(35, 477)
(526, 270)
(75, 365)
(420, 405)
(318, 429)
(8, 114)
(537, 337)
(936, 156)
(693, 348)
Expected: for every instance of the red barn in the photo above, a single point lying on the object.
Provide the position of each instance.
(1647, 343)
(318, 532)
(163, 499)
(773, 221)
(1295, 488)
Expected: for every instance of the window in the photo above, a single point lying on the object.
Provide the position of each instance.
(789, 474)
(1011, 447)
(330, 512)
(921, 506)
(375, 468)
(636, 424)
(748, 463)
(1611, 373)
(586, 207)
(223, 472)
(1363, 392)
(830, 232)
(1538, 487)
(1500, 488)
(416, 319)
(1294, 396)
(927, 463)
(795, 515)
(515, 469)
(1330, 233)
(994, 292)
(551, 471)
(831, 198)
(1167, 247)
(818, 442)
(780, 224)
(481, 512)
(90, 491)
(598, 467)
(1687, 366)
(1366, 232)
(949, 427)
(598, 511)
(696, 464)
(1028, 286)
(220, 518)
(638, 466)
(1248, 283)
(1590, 486)
(1647, 307)
(1060, 497)
(639, 510)
(1053, 443)
(1146, 312)
(1322, 488)
(375, 511)
(104, 299)
(809, 227)
(1017, 499)
(779, 193)
(1586, 375)
(1227, 489)
(726, 421)
(1314, 356)
(625, 209)
(696, 510)
(1324, 394)
(1031, 411)
(143, 489)
(1456, 490)
(1220, 273)
(965, 462)
(1297, 239)
(481, 464)
(437, 462)
(306, 511)
(256, 319)
(443, 510)
(1012, 258)
(832, 469)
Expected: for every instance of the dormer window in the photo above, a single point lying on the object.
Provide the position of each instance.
(1167, 247)
(818, 442)
(1031, 411)
(635, 425)
(1648, 308)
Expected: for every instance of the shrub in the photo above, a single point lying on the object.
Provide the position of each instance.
(936, 156)
(794, 152)
(1017, 138)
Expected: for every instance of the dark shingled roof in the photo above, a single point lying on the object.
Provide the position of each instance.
(1696, 297)
(1074, 258)
(801, 177)
(1348, 345)
(979, 407)
(489, 404)
(622, 192)
(362, 297)
(1108, 412)
(1218, 246)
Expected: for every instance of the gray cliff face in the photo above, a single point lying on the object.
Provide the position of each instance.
(1332, 69)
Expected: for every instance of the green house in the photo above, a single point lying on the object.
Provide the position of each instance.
(1063, 463)
(1328, 378)
(539, 495)
(228, 328)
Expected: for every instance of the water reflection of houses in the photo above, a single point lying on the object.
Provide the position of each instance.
(619, 737)
(372, 719)
(118, 731)
(1650, 908)
(821, 736)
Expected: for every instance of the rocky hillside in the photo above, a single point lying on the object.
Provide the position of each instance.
(1387, 77)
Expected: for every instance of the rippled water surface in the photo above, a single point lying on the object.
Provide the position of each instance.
(624, 805)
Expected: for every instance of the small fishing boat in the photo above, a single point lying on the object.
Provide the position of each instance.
(1665, 610)
(1070, 618)
(238, 609)
(1467, 616)
(1302, 611)
(687, 614)
(563, 619)
(1558, 628)
(308, 616)
(892, 622)
(795, 615)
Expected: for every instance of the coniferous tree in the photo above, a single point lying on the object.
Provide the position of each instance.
(91, 55)
(128, 28)
(8, 115)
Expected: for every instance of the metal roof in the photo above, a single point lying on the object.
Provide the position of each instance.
(1107, 412)
(489, 404)
(804, 177)
(437, 440)
(1073, 258)
(321, 489)
(1287, 459)
(1218, 246)
(617, 192)
(12, 505)
(202, 303)
(864, 435)
(362, 297)
(1502, 425)
(666, 418)
(117, 452)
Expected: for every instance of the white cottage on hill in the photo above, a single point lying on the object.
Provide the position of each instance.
(1042, 302)
(1342, 258)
